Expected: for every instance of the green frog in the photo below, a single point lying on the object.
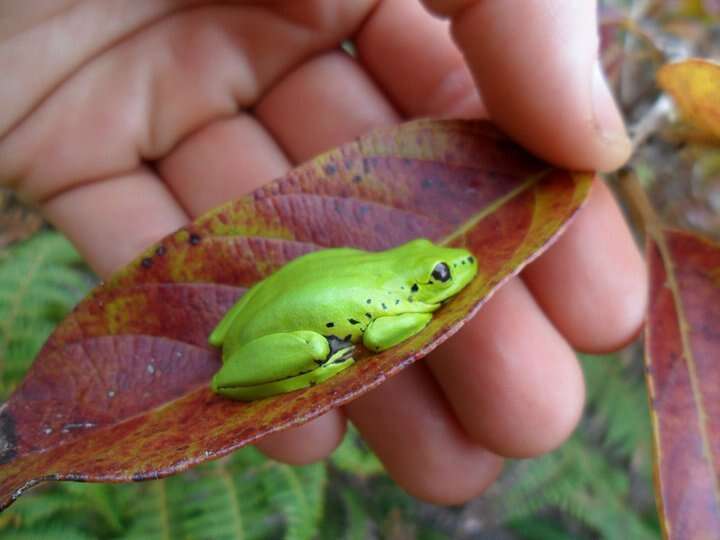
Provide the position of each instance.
(299, 326)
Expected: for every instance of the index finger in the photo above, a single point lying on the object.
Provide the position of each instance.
(536, 64)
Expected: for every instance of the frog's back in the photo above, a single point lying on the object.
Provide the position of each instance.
(314, 292)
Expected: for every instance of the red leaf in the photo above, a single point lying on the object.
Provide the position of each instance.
(683, 362)
(120, 390)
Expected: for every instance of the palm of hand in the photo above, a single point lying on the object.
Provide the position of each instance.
(117, 117)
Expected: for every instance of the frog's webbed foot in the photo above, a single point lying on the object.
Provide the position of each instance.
(340, 355)
(340, 349)
(279, 363)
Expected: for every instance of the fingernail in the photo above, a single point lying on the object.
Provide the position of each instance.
(608, 121)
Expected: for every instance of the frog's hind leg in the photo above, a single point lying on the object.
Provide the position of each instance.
(279, 363)
(306, 380)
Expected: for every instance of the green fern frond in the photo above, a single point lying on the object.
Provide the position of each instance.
(222, 502)
(617, 395)
(92, 508)
(154, 513)
(359, 524)
(52, 532)
(227, 505)
(354, 457)
(588, 479)
(537, 528)
(42, 507)
(299, 493)
(246, 497)
(40, 281)
(107, 501)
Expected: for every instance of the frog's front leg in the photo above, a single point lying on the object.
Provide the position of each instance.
(385, 332)
(279, 363)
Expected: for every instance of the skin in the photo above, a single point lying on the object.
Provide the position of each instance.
(297, 327)
(147, 114)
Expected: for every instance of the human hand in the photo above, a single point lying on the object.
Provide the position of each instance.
(126, 120)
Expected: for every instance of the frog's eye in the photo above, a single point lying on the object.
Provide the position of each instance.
(441, 272)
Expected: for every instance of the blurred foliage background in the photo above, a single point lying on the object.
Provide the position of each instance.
(598, 485)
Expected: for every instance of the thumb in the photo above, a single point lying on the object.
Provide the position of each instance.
(536, 65)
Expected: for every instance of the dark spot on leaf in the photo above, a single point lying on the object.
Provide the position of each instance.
(146, 262)
(330, 324)
(160, 251)
(471, 259)
(312, 383)
(397, 301)
(368, 301)
(415, 287)
(462, 262)
(357, 179)
(402, 287)
(320, 362)
(194, 239)
(368, 315)
(383, 305)
(353, 321)
(348, 337)
(8, 437)
(410, 299)
(330, 169)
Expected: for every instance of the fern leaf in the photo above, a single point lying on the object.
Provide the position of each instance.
(42, 507)
(618, 396)
(581, 483)
(299, 493)
(154, 513)
(353, 456)
(359, 524)
(40, 281)
(223, 505)
(93, 508)
(104, 500)
(535, 528)
(51, 533)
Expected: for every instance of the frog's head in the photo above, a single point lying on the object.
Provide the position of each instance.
(433, 273)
